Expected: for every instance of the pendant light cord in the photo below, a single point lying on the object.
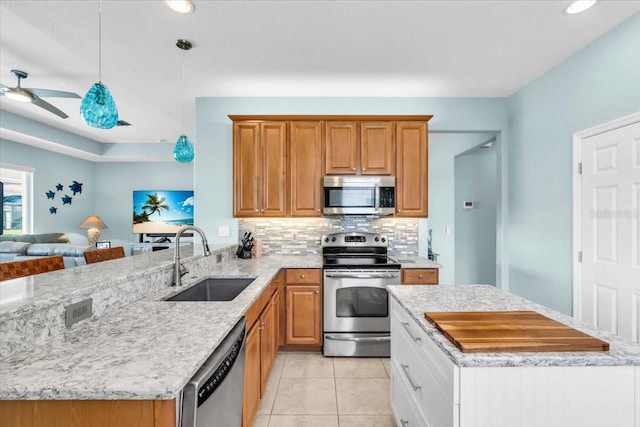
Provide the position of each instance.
(183, 58)
(100, 41)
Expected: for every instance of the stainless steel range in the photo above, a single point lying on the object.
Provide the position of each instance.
(355, 299)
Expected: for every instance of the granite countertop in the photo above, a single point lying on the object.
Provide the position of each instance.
(148, 349)
(418, 299)
(409, 261)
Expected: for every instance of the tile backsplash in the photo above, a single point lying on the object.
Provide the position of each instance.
(301, 236)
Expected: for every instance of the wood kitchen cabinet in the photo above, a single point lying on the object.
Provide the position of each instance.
(419, 276)
(341, 148)
(368, 152)
(304, 307)
(260, 349)
(377, 148)
(259, 169)
(88, 413)
(305, 171)
(411, 169)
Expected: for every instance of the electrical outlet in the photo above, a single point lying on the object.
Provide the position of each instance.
(78, 311)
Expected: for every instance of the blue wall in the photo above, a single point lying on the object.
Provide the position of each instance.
(597, 84)
(51, 169)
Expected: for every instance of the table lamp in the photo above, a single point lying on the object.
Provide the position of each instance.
(93, 224)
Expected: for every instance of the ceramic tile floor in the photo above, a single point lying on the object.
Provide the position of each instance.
(310, 390)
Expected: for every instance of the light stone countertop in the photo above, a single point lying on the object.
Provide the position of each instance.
(409, 261)
(148, 349)
(418, 299)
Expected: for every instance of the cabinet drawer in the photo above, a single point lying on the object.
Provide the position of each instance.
(405, 332)
(405, 408)
(303, 275)
(420, 276)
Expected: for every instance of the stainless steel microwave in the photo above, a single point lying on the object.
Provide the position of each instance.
(359, 195)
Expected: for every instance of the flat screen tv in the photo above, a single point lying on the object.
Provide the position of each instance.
(161, 212)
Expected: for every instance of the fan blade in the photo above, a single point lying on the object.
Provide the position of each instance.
(52, 93)
(44, 104)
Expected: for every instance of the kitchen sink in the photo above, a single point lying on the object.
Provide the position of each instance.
(214, 289)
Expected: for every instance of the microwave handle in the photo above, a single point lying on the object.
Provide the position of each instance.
(377, 197)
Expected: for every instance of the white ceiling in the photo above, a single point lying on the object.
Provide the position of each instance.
(451, 48)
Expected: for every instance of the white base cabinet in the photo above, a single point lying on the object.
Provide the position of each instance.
(429, 390)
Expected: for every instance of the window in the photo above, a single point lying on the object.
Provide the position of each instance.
(17, 215)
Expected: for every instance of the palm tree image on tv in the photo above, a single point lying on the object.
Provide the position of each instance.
(161, 212)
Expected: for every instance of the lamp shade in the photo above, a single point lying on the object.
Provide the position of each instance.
(183, 151)
(94, 222)
(98, 109)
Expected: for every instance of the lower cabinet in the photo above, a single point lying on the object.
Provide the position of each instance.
(419, 276)
(304, 308)
(260, 350)
(88, 413)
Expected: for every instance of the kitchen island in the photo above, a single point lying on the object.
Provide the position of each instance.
(136, 348)
(434, 384)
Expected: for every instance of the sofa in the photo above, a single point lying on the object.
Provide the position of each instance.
(25, 246)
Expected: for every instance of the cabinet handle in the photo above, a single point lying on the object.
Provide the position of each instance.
(354, 169)
(410, 332)
(364, 169)
(316, 292)
(404, 422)
(257, 210)
(419, 276)
(302, 276)
(415, 387)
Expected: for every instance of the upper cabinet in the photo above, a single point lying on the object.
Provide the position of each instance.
(411, 169)
(377, 148)
(279, 161)
(259, 168)
(305, 146)
(368, 152)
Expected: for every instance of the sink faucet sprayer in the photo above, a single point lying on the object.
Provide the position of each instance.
(178, 268)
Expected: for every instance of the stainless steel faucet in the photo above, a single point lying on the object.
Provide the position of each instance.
(178, 268)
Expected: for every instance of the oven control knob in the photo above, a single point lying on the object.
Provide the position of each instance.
(377, 239)
(333, 239)
(384, 240)
(326, 239)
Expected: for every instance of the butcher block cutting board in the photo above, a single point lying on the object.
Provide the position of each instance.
(510, 331)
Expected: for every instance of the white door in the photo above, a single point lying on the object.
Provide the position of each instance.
(610, 231)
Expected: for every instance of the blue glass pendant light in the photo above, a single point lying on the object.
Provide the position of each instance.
(183, 151)
(98, 109)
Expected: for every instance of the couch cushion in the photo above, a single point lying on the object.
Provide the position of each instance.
(41, 249)
(51, 238)
(7, 238)
(71, 250)
(18, 248)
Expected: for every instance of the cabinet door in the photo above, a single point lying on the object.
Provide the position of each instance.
(305, 147)
(411, 169)
(268, 339)
(251, 392)
(377, 150)
(273, 138)
(340, 148)
(304, 316)
(246, 169)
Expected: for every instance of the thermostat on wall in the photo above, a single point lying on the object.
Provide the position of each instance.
(468, 204)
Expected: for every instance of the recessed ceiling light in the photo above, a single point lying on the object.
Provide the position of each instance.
(579, 6)
(180, 6)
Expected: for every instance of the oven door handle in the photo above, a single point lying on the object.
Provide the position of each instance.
(361, 276)
(358, 339)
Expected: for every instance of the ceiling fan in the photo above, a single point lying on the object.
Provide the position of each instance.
(34, 96)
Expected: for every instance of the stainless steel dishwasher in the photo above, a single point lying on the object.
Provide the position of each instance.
(214, 395)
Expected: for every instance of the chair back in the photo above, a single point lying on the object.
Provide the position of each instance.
(99, 255)
(15, 269)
